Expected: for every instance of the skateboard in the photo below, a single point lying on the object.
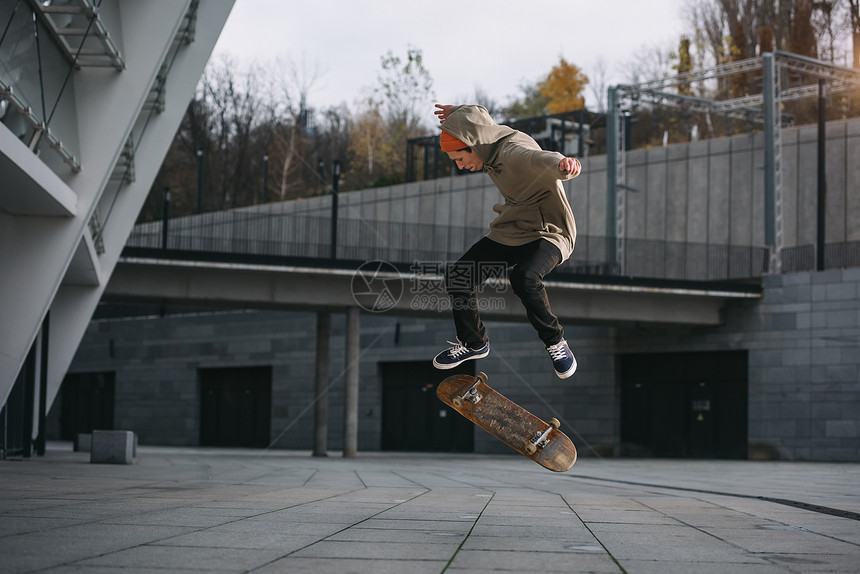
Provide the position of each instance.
(540, 441)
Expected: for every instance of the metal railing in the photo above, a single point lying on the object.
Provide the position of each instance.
(836, 256)
(307, 237)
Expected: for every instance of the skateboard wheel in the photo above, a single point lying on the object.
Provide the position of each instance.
(482, 376)
(458, 402)
(553, 422)
(530, 448)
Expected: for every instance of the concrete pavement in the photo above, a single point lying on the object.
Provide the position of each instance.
(197, 510)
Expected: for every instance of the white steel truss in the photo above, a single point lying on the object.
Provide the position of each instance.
(763, 109)
(79, 21)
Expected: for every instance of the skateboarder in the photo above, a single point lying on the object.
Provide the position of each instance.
(533, 232)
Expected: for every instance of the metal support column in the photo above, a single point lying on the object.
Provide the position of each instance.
(821, 236)
(350, 399)
(611, 171)
(772, 160)
(335, 180)
(29, 382)
(321, 404)
(165, 217)
(43, 384)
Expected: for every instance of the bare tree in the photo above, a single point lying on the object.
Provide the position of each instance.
(706, 18)
(232, 100)
(826, 30)
(854, 26)
(483, 98)
(289, 87)
(650, 63)
(599, 83)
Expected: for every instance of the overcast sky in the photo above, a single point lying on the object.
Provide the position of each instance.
(493, 45)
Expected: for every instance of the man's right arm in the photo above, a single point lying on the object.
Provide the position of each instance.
(443, 111)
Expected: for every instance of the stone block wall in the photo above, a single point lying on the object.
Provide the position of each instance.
(156, 361)
(803, 340)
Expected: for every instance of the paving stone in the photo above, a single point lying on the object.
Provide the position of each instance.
(523, 561)
(354, 565)
(179, 510)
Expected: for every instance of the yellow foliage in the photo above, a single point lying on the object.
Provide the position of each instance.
(563, 87)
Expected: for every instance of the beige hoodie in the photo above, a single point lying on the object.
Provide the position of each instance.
(528, 178)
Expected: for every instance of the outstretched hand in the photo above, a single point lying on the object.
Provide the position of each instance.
(570, 165)
(443, 112)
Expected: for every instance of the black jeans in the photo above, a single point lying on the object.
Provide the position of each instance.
(485, 259)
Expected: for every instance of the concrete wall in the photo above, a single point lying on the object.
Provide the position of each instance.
(802, 338)
(158, 391)
(802, 342)
(705, 192)
(71, 272)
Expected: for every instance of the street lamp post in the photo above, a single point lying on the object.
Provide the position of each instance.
(199, 179)
(265, 177)
(164, 217)
(335, 178)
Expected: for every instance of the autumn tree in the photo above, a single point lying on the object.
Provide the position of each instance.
(403, 93)
(802, 40)
(684, 65)
(739, 50)
(765, 40)
(563, 88)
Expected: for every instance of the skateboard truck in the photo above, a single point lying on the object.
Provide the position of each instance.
(541, 439)
(472, 395)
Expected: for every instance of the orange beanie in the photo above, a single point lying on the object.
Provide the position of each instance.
(449, 143)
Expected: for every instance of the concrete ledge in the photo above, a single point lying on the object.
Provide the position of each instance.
(287, 287)
(113, 447)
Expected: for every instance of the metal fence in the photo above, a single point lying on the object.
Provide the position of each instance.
(836, 256)
(290, 235)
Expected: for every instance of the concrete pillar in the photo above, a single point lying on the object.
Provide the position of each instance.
(321, 405)
(350, 400)
(613, 157)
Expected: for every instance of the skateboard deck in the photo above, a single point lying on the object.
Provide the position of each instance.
(540, 441)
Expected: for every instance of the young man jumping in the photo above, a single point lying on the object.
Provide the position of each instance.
(534, 231)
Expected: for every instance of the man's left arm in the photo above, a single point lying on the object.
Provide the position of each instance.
(547, 163)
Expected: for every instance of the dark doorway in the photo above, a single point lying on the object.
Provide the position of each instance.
(413, 418)
(235, 406)
(86, 403)
(690, 405)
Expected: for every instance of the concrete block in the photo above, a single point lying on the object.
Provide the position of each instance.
(783, 321)
(847, 429)
(840, 291)
(113, 447)
(837, 319)
(83, 442)
(830, 276)
(851, 275)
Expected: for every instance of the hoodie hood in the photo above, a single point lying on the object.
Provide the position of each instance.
(473, 126)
